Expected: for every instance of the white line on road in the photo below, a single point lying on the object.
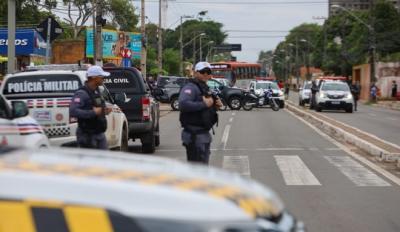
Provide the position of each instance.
(294, 171)
(231, 120)
(280, 149)
(313, 149)
(234, 113)
(357, 173)
(333, 149)
(239, 164)
(225, 136)
(373, 115)
(363, 160)
(393, 119)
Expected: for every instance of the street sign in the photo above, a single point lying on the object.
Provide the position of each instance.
(228, 47)
(55, 28)
(126, 53)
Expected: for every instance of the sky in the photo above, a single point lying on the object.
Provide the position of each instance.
(255, 19)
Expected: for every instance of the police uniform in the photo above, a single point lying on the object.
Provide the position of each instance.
(91, 127)
(195, 137)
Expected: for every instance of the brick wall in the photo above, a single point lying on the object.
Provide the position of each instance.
(68, 52)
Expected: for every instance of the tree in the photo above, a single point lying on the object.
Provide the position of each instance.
(171, 61)
(29, 13)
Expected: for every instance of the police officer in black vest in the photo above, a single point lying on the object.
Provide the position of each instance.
(198, 114)
(90, 109)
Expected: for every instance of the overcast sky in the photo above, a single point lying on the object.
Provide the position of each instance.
(270, 15)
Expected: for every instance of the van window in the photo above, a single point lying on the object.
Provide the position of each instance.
(3, 108)
(123, 81)
(42, 84)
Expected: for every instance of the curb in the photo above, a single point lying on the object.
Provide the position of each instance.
(344, 136)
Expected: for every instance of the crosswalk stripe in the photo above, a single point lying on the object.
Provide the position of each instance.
(357, 173)
(294, 171)
(239, 164)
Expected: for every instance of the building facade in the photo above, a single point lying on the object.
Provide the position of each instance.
(355, 5)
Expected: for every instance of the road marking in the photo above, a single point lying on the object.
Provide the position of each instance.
(373, 115)
(234, 113)
(225, 136)
(313, 149)
(363, 160)
(357, 173)
(238, 164)
(393, 119)
(294, 171)
(280, 149)
(333, 149)
(231, 120)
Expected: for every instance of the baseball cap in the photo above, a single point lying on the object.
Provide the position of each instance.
(94, 71)
(202, 65)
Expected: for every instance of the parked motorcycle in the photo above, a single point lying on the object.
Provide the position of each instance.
(251, 100)
(218, 93)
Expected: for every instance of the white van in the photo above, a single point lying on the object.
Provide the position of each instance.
(17, 128)
(48, 95)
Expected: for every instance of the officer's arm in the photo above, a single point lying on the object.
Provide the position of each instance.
(76, 108)
(187, 101)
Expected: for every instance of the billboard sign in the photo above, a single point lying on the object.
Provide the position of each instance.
(115, 43)
(27, 42)
(228, 47)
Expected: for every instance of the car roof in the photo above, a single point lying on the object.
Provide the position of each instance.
(134, 185)
(80, 73)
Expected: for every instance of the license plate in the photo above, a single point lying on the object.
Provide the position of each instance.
(335, 103)
(43, 115)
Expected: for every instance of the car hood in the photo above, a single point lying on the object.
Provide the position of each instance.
(135, 185)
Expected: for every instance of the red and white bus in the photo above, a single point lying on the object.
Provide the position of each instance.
(237, 73)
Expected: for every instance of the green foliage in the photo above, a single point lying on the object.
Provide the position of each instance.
(123, 14)
(171, 61)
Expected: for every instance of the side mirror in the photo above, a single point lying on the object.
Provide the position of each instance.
(19, 109)
(119, 98)
(221, 87)
(300, 89)
(158, 92)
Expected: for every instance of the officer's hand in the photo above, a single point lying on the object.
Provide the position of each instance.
(98, 110)
(208, 100)
(107, 110)
(218, 103)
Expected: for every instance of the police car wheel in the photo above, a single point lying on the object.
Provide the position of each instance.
(175, 103)
(124, 140)
(235, 103)
(157, 137)
(149, 143)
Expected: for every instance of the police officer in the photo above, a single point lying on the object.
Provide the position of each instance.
(195, 102)
(90, 109)
(355, 91)
(314, 90)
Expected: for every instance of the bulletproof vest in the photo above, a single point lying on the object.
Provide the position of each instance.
(204, 119)
(97, 124)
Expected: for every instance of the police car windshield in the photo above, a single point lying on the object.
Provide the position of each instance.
(308, 86)
(42, 84)
(267, 85)
(335, 87)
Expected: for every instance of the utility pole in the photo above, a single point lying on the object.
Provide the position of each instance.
(194, 50)
(11, 37)
(201, 50)
(99, 38)
(143, 56)
(94, 31)
(160, 52)
(181, 49)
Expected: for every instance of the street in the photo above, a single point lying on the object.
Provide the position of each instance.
(318, 181)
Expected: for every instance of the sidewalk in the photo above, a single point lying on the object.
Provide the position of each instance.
(393, 105)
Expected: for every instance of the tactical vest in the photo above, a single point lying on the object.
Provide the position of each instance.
(97, 124)
(205, 119)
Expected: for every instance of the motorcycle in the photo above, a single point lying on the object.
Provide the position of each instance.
(251, 100)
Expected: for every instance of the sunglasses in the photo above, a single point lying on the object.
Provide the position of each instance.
(205, 71)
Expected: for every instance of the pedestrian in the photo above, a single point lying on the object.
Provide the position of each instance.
(355, 91)
(287, 88)
(314, 90)
(89, 108)
(394, 89)
(374, 92)
(198, 114)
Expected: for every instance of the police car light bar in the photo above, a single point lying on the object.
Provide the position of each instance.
(58, 67)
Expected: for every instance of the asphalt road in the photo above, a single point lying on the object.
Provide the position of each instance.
(320, 183)
(383, 123)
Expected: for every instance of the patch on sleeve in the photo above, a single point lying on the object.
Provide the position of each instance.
(188, 91)
(77, 100)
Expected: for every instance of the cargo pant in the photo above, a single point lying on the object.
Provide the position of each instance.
(94, 141)
(197, 146)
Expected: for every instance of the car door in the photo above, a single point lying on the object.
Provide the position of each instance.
(112, 132)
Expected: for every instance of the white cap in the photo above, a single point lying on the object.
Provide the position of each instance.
(96, 71)
(202, 65)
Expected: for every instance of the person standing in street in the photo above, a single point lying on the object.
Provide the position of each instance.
(287, 88)
(314, 90)
(198, 114)
(394, 89)
(90, 109)
(355, 91)
(374, 92)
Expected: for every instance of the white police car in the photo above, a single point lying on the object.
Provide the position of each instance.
(305, 93)
(260, 86)
(84, 190)
(17, 128)
(334, 95)
(48, 95)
